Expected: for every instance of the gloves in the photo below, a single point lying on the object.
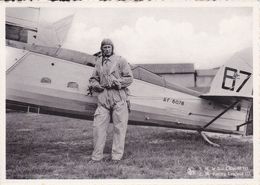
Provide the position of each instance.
(112, 82)
(97, 88)
(115, 83)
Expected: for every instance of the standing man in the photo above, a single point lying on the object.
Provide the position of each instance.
(111, 77)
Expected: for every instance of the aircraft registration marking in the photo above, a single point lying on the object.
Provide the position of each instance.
(232, 75)
(173, 101)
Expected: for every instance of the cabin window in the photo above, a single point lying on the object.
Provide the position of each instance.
(16, 33)
(46, 80)
(90, 64)
(73, 85)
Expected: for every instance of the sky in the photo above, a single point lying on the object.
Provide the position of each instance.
(205, 36)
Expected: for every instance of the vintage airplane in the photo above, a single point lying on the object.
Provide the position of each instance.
(42, 77)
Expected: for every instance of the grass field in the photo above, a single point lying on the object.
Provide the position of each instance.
(52, 147)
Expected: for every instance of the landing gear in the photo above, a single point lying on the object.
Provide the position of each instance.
(204, 136)
(209, 123)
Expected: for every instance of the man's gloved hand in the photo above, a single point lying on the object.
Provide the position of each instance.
(113, 82)
(116, 83)
(97, 88)
(89, 91)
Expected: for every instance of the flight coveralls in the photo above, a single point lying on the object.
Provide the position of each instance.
(113, 75)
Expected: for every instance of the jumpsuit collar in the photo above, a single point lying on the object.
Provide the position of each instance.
(106, 59)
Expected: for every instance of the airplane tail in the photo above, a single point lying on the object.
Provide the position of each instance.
(27, 25)
(235, 78)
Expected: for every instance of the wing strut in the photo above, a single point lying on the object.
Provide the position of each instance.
(246, 123)
(218, 116)
(204, 136)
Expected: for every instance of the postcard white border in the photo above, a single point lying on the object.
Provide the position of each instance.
(254, 181)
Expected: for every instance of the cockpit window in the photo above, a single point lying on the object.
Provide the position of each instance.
(16, 33)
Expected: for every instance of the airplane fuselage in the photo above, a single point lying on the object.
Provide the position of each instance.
(50, 85)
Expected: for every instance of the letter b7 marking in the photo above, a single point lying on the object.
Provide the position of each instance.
(230, 79)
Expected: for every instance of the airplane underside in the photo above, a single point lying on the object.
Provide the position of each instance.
(139, 115)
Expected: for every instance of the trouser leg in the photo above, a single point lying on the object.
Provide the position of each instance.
(100, 125)
(120, 119)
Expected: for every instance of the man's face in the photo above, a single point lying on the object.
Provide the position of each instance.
(107, 50)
